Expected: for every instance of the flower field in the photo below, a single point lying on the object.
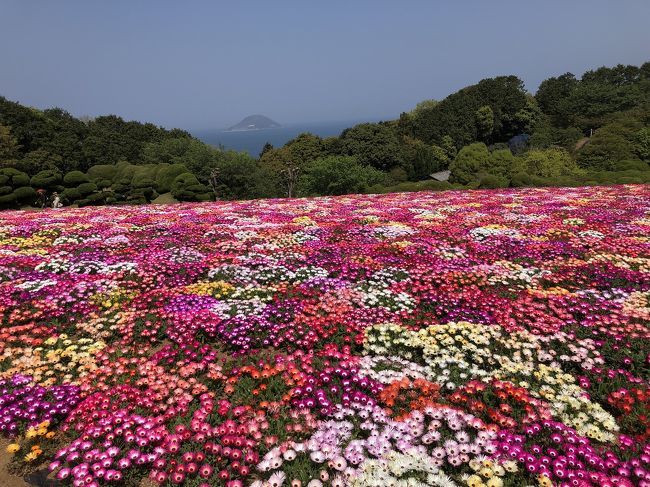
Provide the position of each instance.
(479, 338)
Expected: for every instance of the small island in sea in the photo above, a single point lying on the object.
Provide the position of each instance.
(254, 122)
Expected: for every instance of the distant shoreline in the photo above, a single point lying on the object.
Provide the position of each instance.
(251, 130)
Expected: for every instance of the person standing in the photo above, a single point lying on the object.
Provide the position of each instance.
(56, 200)
(41, 202)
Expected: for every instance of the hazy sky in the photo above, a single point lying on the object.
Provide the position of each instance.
(205, 64)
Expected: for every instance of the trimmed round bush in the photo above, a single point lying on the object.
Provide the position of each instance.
(5, 190)
(75, 178)
(87, 188)
(166, 176)
(7, 199)
(104, 183)
(102, 171)
(25, 193)
(71, 194)
(20, 180)
(47, 179)
(13, 177)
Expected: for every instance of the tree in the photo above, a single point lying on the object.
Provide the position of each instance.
(422, 159)
(375, 144)
(485, 122)
(550, 163)
(285, 166)
(610, 144)
(642, 144)
(456, 115)
(469, 162)
(267, 147)
(9, 148)
(306, 147)
(447, 144)
(40, 160)
(554, 98)
(500, 163)
(335, 175)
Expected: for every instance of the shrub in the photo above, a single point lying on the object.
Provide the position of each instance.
(166, 176)
(468, 163)
(102, 172)
(25, 193)
(75, 178)
(5, 190)
(87, 188)
(8, 199)
(550, 163)
(103, 183)
(491, 181)
(631, 164)
(521, 179)
(47, 179)
(337, 175)
(13, 177)
(71, 194)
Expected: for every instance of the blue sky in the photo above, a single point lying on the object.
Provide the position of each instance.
(207, 64)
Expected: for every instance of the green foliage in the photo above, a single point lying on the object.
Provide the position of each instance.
(642, 143)
(48, 179)
(500, 163)
(75, 178)
(484, 123)
(554, 98)
(469, 161)
(306, 147)
(633, 165)
(337, 175)
(40, 160)
(9, 148)
(605, 148)
(71, 194)
(186, 187)
(241, 177)
(102, 172)
(87, 188)
(13, 177)
(456, 115)
(54, 139)
(550, 163)
(374, 144)
(491, 181)
(166, 175)
(423, 159)
(25, 194)
(587, 102)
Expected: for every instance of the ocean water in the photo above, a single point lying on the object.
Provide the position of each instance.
(252, 141)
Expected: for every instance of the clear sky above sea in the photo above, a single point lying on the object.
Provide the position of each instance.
(208, 64)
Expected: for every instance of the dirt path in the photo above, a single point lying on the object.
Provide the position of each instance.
(6, 479)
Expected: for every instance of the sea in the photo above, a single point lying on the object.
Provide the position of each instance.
(252, 141)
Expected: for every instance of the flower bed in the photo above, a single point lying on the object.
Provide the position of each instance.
(479, 338)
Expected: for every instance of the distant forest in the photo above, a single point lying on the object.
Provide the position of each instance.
(593, 129)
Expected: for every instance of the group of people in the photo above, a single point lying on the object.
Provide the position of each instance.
(43, 201)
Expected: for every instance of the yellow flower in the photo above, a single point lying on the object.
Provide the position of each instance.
(544, 481)
(31, 456)
(13, 448)
(50, 435)
(494, 482)
(31, 433)
(474, 481)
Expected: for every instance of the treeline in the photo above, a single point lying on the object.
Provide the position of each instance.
(589, 130)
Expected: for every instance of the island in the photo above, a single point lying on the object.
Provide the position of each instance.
(254, 122)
